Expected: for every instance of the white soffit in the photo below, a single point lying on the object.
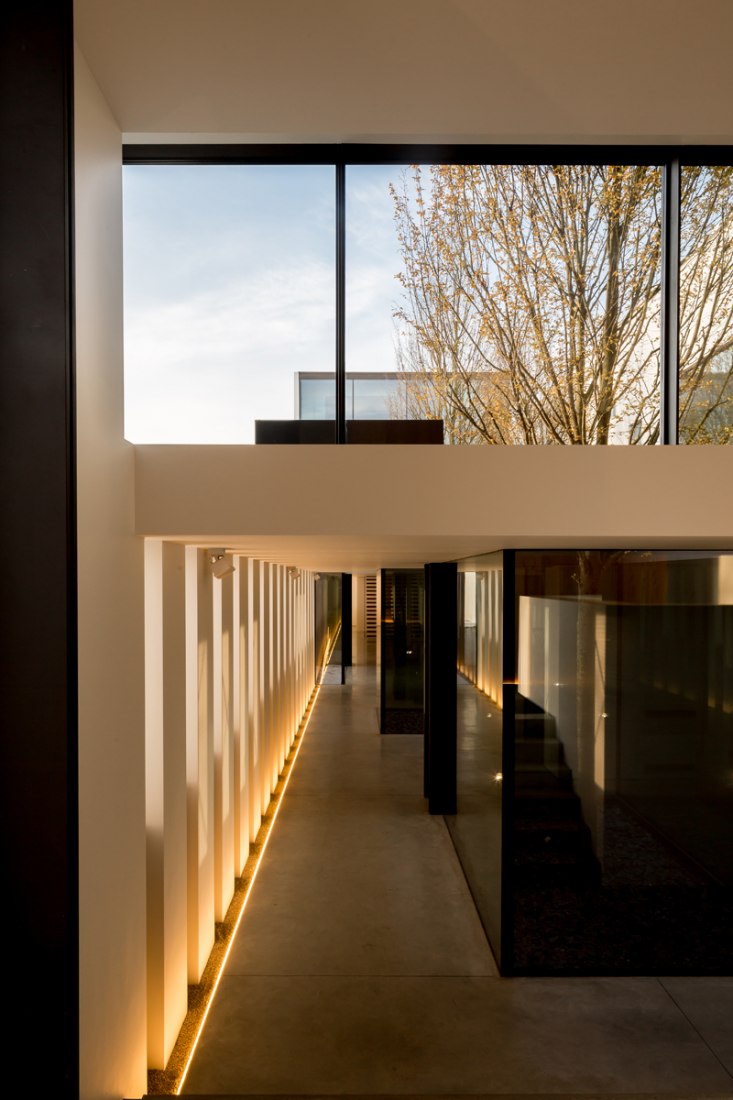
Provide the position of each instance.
(503, 69)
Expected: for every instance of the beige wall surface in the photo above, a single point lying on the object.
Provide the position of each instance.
(111, 698)
(469, 499)
(496, 70)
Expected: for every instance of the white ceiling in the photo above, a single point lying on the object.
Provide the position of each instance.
(513, 70)
(356, 554)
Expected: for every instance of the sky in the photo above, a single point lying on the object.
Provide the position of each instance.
(230, 290)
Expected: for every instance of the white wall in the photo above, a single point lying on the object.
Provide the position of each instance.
(111, 674)
(165, 754)
(500, 496)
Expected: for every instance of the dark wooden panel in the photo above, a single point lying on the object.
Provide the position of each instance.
(38, 674)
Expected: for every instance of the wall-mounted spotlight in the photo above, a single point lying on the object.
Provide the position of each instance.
(222, 564)
(293, 572)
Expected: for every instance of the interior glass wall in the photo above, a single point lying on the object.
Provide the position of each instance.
(327, 616)
(619, 764)
(476, 828)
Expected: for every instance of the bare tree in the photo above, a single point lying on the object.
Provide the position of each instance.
(532, 305)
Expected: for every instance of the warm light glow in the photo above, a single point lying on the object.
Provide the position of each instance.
(498, 776)
(268, 826)
(329, 653)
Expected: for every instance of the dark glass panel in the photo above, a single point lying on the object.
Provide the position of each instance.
(622, 792)
(476, 827)
(327, 618)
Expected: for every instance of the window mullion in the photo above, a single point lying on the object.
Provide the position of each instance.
(340, 303)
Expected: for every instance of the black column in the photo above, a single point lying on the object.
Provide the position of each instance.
(38, 672)
(440, 686)
(670, 309)
(346, 624)
(340, 303)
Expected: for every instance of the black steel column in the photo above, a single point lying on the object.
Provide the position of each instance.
(509, 693)
(346, 624)
(441, 582)
(340, 303)
(38, 655)
(670, 311)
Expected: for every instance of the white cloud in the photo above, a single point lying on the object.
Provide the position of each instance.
(205, 367)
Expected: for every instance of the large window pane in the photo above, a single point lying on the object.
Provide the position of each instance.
(621, 822)
(372, 293)
(229, 292)
(520, 303)
(706, 305)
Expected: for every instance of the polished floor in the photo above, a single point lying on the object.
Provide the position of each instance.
(361, 967)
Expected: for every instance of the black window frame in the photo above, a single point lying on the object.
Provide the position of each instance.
(670, 158)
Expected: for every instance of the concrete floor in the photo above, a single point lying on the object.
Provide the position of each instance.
(361, 967)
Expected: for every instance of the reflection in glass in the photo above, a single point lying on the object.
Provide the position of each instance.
(622, 807)
(327, 618)
(706, 305)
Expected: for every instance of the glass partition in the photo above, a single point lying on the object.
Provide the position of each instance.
(706, 304)
(476, 828)
(619, 764)
(327, 619)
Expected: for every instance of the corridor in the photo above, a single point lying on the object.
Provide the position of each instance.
(361, 968)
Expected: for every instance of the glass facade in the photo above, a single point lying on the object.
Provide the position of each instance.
(372, 293)
(616, 822)
(368, 396)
